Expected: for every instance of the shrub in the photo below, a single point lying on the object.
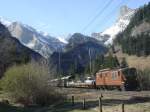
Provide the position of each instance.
(28, 84)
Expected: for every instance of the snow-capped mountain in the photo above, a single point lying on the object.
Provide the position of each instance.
(36, 40)
(123, 20)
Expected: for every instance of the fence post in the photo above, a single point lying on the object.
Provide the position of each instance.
(84, 103)
(122, 107)
(72, 100)
(100, 104)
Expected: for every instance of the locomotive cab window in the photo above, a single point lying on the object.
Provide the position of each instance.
(119, 73)
(100, 75)
(114, 75)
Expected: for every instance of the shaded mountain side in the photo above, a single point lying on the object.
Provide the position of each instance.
(135, 39)
(140, 63)
(12, 51)
(76, 59)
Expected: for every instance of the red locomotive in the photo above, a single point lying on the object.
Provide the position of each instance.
(108, 78)
(122, 79)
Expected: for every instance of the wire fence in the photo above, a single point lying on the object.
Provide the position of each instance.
(101, 104)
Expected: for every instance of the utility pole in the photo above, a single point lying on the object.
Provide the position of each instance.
(59, 64)
(76, 64)
(90, 61)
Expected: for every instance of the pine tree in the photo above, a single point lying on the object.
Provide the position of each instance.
(123, 63)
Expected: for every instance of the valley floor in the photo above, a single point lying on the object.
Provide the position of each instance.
(111, 101)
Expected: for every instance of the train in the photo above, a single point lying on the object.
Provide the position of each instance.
(122, 79)
(119, 78)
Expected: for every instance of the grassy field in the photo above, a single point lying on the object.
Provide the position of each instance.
(112, 100)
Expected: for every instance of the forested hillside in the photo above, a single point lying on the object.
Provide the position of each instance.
(135, 39)
(76, 59)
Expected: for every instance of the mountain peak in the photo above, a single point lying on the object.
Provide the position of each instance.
(124, 10)
(108, 35)
(5, 21)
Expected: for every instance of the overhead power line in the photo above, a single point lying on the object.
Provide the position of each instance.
(107, 17)
(97, 15)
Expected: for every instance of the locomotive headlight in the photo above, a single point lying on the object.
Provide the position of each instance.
(123, 82)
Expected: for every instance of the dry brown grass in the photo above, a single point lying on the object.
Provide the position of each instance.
(134, 101)
(112, 100)
(134, 61)
(140, 107)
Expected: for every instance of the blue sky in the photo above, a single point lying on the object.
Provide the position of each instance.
(60, 17)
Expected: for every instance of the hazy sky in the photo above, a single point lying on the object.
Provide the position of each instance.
(58, 17)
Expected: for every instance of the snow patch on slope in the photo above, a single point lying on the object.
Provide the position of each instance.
(62, 40)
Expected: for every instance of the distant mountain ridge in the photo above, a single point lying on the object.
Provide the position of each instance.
(108, 35)
(36, 40)
(78, 38)
(76, 55)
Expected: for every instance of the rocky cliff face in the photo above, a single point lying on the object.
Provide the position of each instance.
(28, 36)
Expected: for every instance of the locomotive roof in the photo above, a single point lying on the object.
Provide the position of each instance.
(116, 69)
